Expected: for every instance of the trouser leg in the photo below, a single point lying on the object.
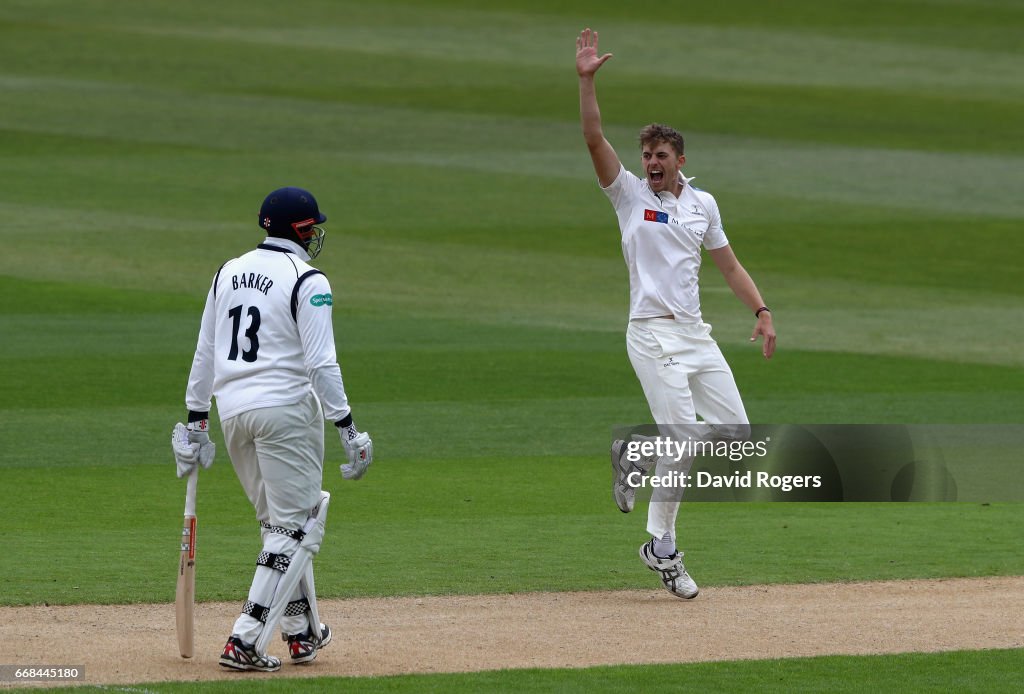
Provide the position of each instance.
(277, 454)
(664, 379)
(683, 373)
(717, 398)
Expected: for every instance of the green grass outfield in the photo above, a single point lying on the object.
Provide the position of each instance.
(868, 160)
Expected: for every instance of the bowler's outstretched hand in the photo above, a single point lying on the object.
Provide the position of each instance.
(765, 329)
(587, 60)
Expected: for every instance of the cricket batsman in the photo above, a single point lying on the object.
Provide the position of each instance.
(266, 352)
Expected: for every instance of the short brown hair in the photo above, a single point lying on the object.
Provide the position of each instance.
(656, 132)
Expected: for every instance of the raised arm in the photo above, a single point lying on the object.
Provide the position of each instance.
(606, 161)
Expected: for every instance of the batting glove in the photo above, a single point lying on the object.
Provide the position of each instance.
(191, 444)
(359, 449)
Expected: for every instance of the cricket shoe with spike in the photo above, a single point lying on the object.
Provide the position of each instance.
(240, 655)
(623, 492)
(673, 573)
(304, 647)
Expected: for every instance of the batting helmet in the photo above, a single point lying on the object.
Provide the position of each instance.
(292, 213)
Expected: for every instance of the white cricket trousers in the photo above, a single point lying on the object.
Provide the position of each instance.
(278, 454)
(683, 373)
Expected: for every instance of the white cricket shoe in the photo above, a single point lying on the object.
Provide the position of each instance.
(622, 492)
(673, 573)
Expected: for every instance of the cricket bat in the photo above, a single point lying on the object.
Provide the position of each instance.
(184, 598)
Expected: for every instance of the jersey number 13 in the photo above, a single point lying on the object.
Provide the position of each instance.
(250, 332)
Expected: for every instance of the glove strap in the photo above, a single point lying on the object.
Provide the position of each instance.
(202, 425)
(347, 426)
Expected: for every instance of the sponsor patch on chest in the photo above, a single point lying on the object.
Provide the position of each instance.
(697, 229)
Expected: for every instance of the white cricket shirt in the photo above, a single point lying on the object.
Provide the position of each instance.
(661, 240)
(266, 337)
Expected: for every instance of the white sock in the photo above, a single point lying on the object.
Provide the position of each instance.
(665, 546)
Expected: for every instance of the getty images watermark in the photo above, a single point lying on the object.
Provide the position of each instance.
(644, 453)
(821, 462)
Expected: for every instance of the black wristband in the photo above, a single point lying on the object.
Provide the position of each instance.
(346, 421)
(194, 416)
(757, 313)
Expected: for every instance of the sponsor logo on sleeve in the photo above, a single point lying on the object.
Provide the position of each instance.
(322, 300)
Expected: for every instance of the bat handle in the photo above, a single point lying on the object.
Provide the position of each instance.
(190, 492)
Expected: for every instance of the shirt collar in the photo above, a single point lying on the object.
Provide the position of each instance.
(287, 245)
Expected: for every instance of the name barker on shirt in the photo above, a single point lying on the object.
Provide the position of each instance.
(252, 280)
